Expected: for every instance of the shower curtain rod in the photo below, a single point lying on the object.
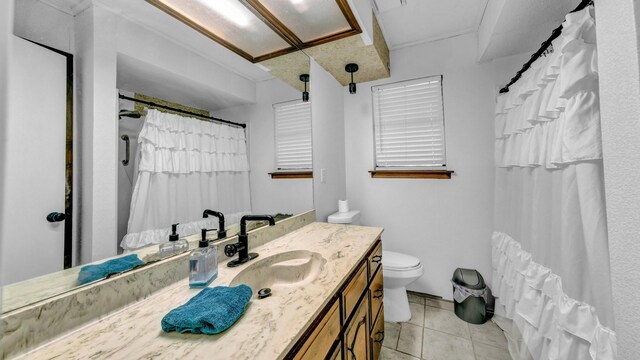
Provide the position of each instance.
(583, 4)
(180, 111)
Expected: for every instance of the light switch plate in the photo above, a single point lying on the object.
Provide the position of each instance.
(323, 175)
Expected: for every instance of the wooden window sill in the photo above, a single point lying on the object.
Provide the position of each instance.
(291, 175)
(411, 174)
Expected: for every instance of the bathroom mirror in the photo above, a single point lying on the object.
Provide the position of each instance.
(83, 77)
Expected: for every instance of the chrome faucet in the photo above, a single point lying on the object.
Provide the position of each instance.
(222, 233)
(242, 246)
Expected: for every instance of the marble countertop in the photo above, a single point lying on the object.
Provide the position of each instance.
(267, 330)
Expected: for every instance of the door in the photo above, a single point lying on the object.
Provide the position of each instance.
(35, 162)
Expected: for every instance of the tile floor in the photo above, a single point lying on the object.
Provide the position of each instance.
(435, 333)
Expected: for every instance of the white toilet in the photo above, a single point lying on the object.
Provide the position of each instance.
(398, 271)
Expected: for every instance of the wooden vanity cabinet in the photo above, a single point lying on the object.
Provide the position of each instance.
(351, 327)
(356, 334)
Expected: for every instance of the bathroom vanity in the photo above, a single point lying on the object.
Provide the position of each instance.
(328, 303)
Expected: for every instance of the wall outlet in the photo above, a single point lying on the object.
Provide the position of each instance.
(323, 175)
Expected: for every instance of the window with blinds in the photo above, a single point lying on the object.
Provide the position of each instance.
(293, 135)
(409, 124)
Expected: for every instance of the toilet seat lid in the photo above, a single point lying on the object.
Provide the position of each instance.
(394, 260)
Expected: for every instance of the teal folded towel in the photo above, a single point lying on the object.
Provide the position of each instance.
(211, 311)
(95, 272)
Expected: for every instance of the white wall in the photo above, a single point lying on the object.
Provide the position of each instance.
(269, 196)
(99, 36)
(6, 23)
(44, 24)
(619, 68)
(96, 60)
(328, 127)
(445, 223)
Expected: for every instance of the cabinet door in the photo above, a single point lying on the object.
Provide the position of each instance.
(377, 335)
(337, 353)
(376, 291)
(356, 336)
(319, 344)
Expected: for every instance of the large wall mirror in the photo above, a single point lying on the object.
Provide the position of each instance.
(115, 134)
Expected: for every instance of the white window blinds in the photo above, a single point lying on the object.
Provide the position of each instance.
(409, 124)
(293, 135)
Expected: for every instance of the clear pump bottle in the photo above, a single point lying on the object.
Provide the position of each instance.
(175, 245)
(203, 263)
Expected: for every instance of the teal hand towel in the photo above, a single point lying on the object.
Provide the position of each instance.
(95, 272)
(211, 311)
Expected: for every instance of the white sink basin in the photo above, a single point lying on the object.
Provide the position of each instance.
(291, 269)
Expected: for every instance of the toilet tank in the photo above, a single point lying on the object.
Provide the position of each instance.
(350, 217)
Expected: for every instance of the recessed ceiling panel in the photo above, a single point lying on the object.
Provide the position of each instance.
(228, 22)
(310, 20)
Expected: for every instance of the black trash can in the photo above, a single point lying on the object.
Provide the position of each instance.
(469, 296)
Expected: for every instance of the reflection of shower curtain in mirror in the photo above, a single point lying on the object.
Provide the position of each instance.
(185, 166)
(126, 174)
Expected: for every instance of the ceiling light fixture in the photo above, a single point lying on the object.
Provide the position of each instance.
(305, 93)
(232, 10)
(351, 68)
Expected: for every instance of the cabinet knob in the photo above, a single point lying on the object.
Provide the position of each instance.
(378, 293)
(379, 336)
(376, 259)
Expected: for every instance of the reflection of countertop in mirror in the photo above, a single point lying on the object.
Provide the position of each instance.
(267, 330)
(23, 293)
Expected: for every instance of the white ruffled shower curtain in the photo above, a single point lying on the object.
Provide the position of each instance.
(551, 273)
(186, 165)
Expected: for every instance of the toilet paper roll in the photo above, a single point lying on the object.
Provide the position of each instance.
(343, 206)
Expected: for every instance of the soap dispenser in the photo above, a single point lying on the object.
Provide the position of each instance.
(203, 263)
(175, 245)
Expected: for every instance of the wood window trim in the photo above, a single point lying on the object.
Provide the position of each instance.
(291, 175)
(412, 174)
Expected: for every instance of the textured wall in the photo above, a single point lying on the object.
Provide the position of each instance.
(619, 67)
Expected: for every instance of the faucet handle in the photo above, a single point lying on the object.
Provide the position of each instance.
(230, 250)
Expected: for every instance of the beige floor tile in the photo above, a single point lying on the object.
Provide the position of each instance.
(440, 346)
(391, 335)
(415, 298)
(486, 352)
(389, 354)
(417, 314)
(488, 334)
(410, 340)
(442, 304)
(445, 321)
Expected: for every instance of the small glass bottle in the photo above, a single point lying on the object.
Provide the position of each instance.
(174, 246)
(203, 263)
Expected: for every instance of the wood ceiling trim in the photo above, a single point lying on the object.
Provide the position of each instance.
(348, 14)
(330, 38)
(169, 10)
(272, 22)
(260, 11)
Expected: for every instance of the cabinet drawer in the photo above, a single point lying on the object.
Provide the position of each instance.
(377, 335)
(376, 290)
(352, 292)
(356, 336)
(319, 344)
(375, 259)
